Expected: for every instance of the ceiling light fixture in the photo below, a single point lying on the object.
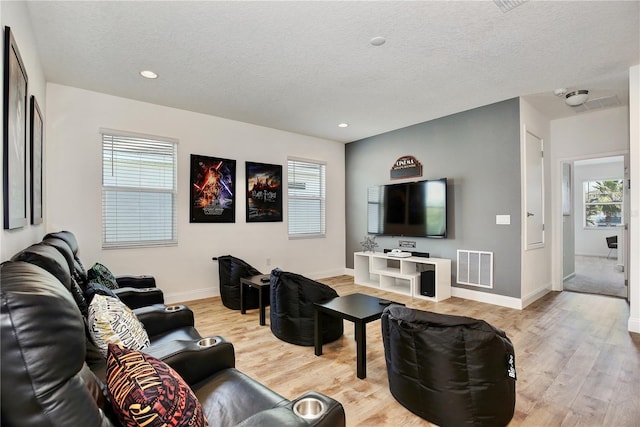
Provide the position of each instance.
(577, 97)
(343, 125)
(148, 74)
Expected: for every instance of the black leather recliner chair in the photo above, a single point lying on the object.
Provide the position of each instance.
(134, 291)
(449, 370)
(230, 270)
(46, 382)
(292, 299)
(172, 327)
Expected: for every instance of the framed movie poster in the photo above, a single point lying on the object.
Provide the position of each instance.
(264, 192)
(36, 162)
(212, 189)
(14, 135)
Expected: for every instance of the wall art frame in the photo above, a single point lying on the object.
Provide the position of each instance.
(36, 130)
(212, 190)
(14, 135)
(264, 192)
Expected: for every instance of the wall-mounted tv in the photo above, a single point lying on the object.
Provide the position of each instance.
(413, 209)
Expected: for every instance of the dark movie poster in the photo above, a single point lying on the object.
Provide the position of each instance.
(264, 192)
(212, 189)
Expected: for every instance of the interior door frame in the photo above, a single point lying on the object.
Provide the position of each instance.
(557, 215)
(540, 243)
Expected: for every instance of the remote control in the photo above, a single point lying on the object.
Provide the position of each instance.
(265, 279)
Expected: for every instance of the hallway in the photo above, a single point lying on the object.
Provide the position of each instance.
(597, 275)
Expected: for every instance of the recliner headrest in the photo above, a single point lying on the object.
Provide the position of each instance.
(68, 237)
(48, 258)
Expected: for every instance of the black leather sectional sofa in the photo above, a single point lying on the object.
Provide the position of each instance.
(52, 376)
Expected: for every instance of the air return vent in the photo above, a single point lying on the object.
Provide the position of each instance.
(475, 268)
(507, 5)
(597, 103)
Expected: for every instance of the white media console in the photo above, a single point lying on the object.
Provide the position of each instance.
(403, 275)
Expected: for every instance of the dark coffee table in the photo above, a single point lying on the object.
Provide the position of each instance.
(357, 308)
(255, 282)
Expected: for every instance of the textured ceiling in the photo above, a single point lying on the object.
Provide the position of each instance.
(306, 66)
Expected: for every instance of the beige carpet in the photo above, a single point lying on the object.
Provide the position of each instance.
(597, 275)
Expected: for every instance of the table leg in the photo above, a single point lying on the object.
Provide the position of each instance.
(361, 348)
(261, 305)
(317, 332)
(242, 309)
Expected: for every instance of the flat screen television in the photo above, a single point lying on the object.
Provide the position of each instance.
(412, 209)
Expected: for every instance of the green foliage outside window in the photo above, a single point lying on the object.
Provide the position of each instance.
(603, 203)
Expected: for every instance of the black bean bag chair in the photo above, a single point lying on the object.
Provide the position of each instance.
(291, 314)
(449, 370)
(230, 270)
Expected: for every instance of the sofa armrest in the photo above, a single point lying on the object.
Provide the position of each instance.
(158, 319)
(139, 297)
(193, 361)
(130, 281)
(332, 414)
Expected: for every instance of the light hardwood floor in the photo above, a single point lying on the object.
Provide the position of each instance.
(577, 364)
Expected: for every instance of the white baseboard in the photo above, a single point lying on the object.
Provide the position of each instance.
(535, 295)
(325, 274)
(634, 325)
(349, 272)
(181, 297)
(501, 300)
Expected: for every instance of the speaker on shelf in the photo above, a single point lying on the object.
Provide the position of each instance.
(428, 283)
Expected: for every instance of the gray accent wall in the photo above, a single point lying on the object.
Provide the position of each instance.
(478, 151)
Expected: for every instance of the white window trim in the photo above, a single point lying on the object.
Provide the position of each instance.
(323, 200)
(174, 191)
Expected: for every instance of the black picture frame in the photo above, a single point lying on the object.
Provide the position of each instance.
(36, 130)
(212, 192)
(14, 135)
(264, 192)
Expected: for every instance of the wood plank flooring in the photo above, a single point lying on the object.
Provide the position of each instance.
(577, 364)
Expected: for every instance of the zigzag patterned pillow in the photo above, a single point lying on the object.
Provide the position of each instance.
(145, 391)
(110, 321)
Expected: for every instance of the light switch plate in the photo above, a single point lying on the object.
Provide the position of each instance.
(503, 219)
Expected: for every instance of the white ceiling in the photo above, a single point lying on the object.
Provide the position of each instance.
(306, 66)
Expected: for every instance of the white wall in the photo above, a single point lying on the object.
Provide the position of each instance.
(590, 241)
(15, 15)
(184, 272)
(536, 263)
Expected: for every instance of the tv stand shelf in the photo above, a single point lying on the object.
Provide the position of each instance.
(402, 275)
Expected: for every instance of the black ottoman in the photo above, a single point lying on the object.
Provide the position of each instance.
(230, 270)
(449, 370)
(291, 314)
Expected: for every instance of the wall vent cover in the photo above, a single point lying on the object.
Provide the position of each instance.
(507, 5)
(475, 268)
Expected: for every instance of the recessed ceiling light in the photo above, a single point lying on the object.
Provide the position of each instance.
(343, 125)
(148, 74)
(378, 41)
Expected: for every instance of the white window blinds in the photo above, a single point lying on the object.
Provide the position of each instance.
(138, 191)
(306, 198)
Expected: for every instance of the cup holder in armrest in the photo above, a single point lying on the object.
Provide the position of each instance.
(308, 408)
(172, 308)
(208, 342)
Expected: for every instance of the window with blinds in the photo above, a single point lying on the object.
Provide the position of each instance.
(138, 191)
(306, 198)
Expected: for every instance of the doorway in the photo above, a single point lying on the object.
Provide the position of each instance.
(595, 208)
